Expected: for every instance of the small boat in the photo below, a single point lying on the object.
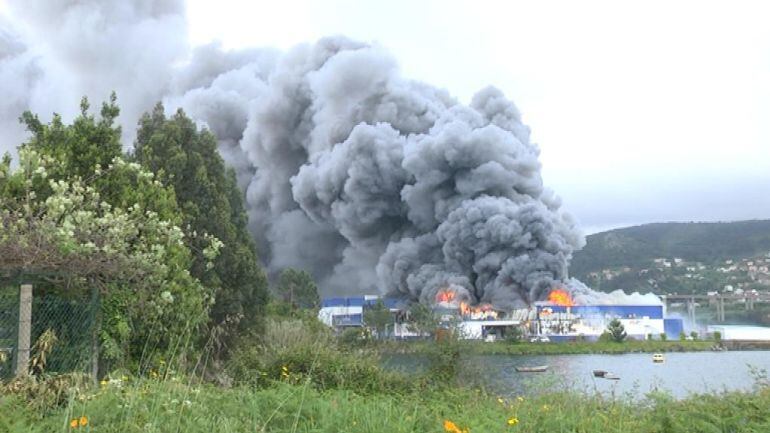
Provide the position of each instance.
(600, 373)
(535, 369)
(610, 376)
(658, 357)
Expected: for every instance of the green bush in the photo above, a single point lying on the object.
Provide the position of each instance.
(717, 336)
(298, 351)
(663, 337)
(617, 331)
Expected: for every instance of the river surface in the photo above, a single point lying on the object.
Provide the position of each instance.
(680, 375)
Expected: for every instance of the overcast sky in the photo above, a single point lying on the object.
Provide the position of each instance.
(645, 113)
(653, 112)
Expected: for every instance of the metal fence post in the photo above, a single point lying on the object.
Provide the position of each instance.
(25, 330)
(94, 335)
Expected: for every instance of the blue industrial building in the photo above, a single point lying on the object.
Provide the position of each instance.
(349, 311)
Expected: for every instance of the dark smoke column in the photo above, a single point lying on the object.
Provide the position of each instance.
(488, 229)
(372, 182)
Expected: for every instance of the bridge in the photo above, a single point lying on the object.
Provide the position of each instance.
(748, 299)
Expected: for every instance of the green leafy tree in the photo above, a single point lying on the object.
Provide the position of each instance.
(297, 289)
(422, 319)
(63, 229)
(616, 331)
(186, 158)
(377, 317)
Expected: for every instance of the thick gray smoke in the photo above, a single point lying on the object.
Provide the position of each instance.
(370, 181)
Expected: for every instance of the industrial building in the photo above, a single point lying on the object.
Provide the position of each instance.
(557, 322)
(560, 322)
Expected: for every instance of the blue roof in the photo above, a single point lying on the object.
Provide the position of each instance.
(620, 311)
(358, 301)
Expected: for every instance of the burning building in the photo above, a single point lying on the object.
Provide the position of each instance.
(568, 313)
(562, 318)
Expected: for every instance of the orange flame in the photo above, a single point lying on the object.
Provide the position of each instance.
(482, 311)
(445, 296)
(560, 297)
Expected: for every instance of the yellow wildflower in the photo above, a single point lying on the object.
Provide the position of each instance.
(545, 408)
(104, 382)
(83, 421)
(500, 400)
(520, 398)
(74, 423)
(512, 421)
(451, 427)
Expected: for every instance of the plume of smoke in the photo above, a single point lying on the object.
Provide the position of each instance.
(584, 295)
(57, 52)
(366, 179)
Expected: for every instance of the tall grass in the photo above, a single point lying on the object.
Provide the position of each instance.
(296, 377)
(148, 405)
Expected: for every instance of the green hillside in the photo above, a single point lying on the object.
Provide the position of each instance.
(695, 242)
(708, 257)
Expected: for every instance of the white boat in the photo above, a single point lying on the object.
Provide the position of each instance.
(534, 369)
(658, 358)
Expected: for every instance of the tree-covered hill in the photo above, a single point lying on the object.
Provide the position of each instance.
(696, 242)
(626, 257)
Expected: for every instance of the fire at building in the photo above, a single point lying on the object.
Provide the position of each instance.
(559, 318)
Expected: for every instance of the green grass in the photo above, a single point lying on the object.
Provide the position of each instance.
(173, 406)
(564, 348)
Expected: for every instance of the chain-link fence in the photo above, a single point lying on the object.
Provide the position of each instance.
(62, 331)
(9, 327)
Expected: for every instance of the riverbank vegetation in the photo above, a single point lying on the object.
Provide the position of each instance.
(297, 404)
(297, 377)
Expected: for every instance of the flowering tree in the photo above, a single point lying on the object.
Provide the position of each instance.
(113, 227)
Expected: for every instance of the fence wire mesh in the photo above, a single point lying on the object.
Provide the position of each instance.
(9, 328)
(62, 331)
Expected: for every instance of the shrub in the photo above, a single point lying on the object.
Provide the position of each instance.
(717, 336)
(694, 335)
(301, 351)
(444, 360)
(514, 335)
(354, 337)
(663, 337)
(682, 336)
(617, 331)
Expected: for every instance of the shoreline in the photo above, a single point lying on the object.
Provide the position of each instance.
(561, 348)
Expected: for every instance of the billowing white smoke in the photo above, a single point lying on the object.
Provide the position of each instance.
(366, 179)
(584, 295)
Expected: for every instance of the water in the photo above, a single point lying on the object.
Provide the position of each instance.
(680, 375)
